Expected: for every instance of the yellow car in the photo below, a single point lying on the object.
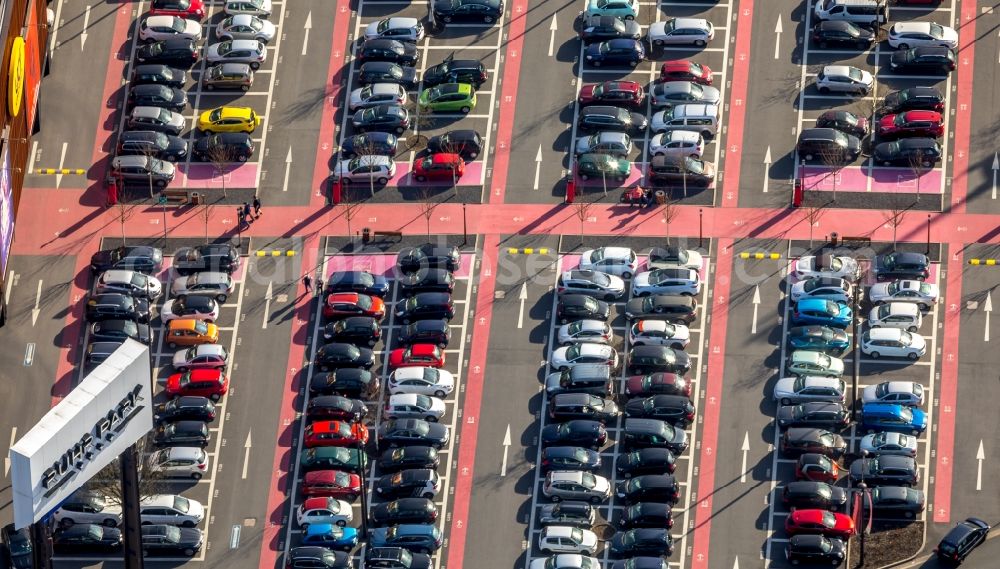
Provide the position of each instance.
(228, 119)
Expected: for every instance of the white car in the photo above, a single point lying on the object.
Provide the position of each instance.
(571, 356)
(674, 258)
(84, 507)
(917, 292)
(903, 315)
(197, 307)
(565, 561)
(826, 265)
(377, 94)
(251, 52)
(614, 143)
(904, 35)
(677, 143)
(422, 380)
(909, 393)
(245, 27)
(171, 509)
(157, 28)
(893, 343)
(684, 282)
(889, 443)
(132, 283)
(618, 261)
(217, 285)
(681, 31)
(585, 331)
(364, 169)
(828, 288)
(414, 406)
(322, 510)
(179, 462)
(260, 8)
(802, 389)
(844, 79)
(659, 333)
(396, 28)
(567, 539)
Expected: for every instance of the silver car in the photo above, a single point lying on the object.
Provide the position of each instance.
(377, 94)
(670, 93)
(828, 288)
(614, 143)
(260, 8)
(179, 462)
(576, 485)
(844, 79)
(585, 331)
(924, 295)
(681, 31)
(685, 282)
(132, 283)
(84, 507)
(212, 284)
(889, 443)
(679, 143)
(156, 118)
(592, 283)
(365, 168)
(801, 389)
(245, 27)
(143, 169)
(251, 52)
(396, 28)
(566, 561)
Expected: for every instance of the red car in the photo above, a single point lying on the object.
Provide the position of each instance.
(211, 383)
(823, 522)
(336, 434)
(331, 484)
(685, 70)
(427, 355)
(816, 467)
(344, 304)
(657, 384)
(445, 166)
(193, 9)
(912, 123)
(618, 93)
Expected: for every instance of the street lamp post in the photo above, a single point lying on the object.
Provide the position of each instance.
(701, 233)
(857, 354)
(465, 226)
(363, 473)
(239, 226)
(928, 234)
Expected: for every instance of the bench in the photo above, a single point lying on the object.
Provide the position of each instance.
(396, 234)
(856, 241)
(176, 196)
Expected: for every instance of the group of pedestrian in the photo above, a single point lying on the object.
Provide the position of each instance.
(642, 197)
(249, 212)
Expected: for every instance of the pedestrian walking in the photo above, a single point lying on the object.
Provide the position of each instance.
(246, 212)
(242, 218)
(319, 286)
(308, 283)
(256, 207)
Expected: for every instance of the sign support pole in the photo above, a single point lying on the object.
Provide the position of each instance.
(132, 534)
(41, 544)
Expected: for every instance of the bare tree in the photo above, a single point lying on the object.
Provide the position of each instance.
(894, 217)
(582, 210)
(221, 157)
(427, 207)
(368, 154)
(919, 164)
(123, 212)
(813, 215)
(350, 211)
(669, 211)
(107, 481)
(834, 159)
(206, 216)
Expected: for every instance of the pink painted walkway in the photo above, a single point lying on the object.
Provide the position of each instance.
(883, 180)
(204, 176)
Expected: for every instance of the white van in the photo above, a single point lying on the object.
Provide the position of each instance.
(871, 13)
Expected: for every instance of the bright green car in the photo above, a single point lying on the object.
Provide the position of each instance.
(448, 97)
(603, 166)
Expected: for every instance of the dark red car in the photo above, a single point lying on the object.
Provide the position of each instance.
(816, 467)
(657, 384)
(331, 484)
(441, 166)
(193, 9)
(335, 434)
(617, 93)
(823, 522)
(684, 70)
(427, 355)
(911, 123)
(344, 304)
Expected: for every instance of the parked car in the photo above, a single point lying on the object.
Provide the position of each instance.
(896, 501)
(382, 118)
(357, 330)
(923, 152)
(822, 522)
(642, 541)
(196, 307)
(827, 265)
(627, 94)
(585, 331)
(155, 119)
(181, 51)
(419, 538)
(152, 143)
(813, 363)
(323, 510)
(87, 538)
(817, 311)
(827, 288)
(349, 460)
(409, 457)
(567, 539)
(467, 143)
(397, 28)
(250, 52)
(928, 124)
(189, 407)
(923, 60)
(914, 291)
(116, 306)
(163, 27)
(808, 494)
(648, 488)
(681, 31)
(404, 511)
(118, 330)
(569, 458)
(423, 483)
(573, 307)
(179, 462)
(821, 338)
(590, 434)
(601, 27)
(615, 52)
(210, 257)
(348, 382)
(823, 414)
(684, 70)
(828, 33)
(576, 485)
(228, 76)
(368, 144)
(647, 515)
(659, 333)
(435, 332)
(469, 71)
(388, 72)
(182, 434)
(344, 304)
(674, 309)
(486, 11)
(893, 343)
(568, 513)
(889, 443)
(413, 259)
(650, 460)
(245, 27)
(913, 98)
(817, 467)
(83, 507)
(407, 432)
(260, 8)
(909, 393)
(385, 49)
(338, 355)
(844, 79)
(801, 389)
(811, 548)
(888, 470)
(844, 121)
(171, 509)
(217, 285)
(171, 541)
(877, 417)
(898, 314)
(414, 406)
(427, 355)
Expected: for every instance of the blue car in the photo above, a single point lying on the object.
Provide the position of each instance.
(329, 535)
(894, 418)
(419, 538)
(626, 9)
(822, 338)
(823, 313)
(377, 143)
(614, 52)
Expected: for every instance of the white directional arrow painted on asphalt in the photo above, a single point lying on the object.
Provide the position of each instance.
(996, 166)
(308, 26)
(538, 167)
(288, 170)
(777, 39)
(736, 563)
(552, 35)
(767, 165)
(987, 308)
(38, 299)
(246, 455)
(86, 24)
(506, 447)
(980, 457)
(756, 305)
(746, 449)
(522, 297)
(267, 303)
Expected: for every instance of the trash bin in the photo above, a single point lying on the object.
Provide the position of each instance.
(834, 239)
(195, 198)
(366, 235)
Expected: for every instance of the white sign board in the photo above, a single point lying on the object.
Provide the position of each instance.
(103, 415)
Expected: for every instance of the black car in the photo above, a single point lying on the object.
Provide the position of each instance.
(487, 11)
(414, 482)
(646, 433)
(404, 511)
(18, 545)
(182, 434)
(649, 488)
(913, 99)
(888, 470)
(158, 74)
(921, 152)
(216, 257)
(158, 96)
(425, 332)
(642, 541)
(798, 440)
(902, 266)
(573, 307)
(337, 355)
(652, 359)
(589, 434)
(97, 352)
(676, 309)
(179, 51)
(87, 538)
(466, 143)
(152, 143)
(315, 557)
(647, 515)
(469, 71)
(600, 28)
(567, 406)
(112, 306)
(828, 33)
(357, 330)
(393, 51)
(809, 494)
(119, 330)
(383, 118)
(640, 562)
(404, 458)
(333, 458)
(427, 280)
(646, 461)
(336, 408)
(958, 543)
(675, 409)
(412, 259)
(170, 541)
(810, 548)
(613, 52)
(605, 118)
(896, 501)
(140, 258)
(680, 171)
(357, 281)
(923, 60)
(822, 414)
(844, 121)
(570, 458)
(349, 382)
(567, 513)
(395, 558)
(386, 72)
(406, 432)
(369, 143)
(424, 306)
(186, 407)
(233, 146)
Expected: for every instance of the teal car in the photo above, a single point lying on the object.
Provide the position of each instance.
(603, 167)
(333, 458)
(626, 9)
(448, 97)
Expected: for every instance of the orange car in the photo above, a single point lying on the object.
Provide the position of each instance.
(190, 332)
(344, 304)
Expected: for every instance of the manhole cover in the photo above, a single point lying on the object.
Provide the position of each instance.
(249, 522)
(972, 305)
(282, 298)
(499, 294)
